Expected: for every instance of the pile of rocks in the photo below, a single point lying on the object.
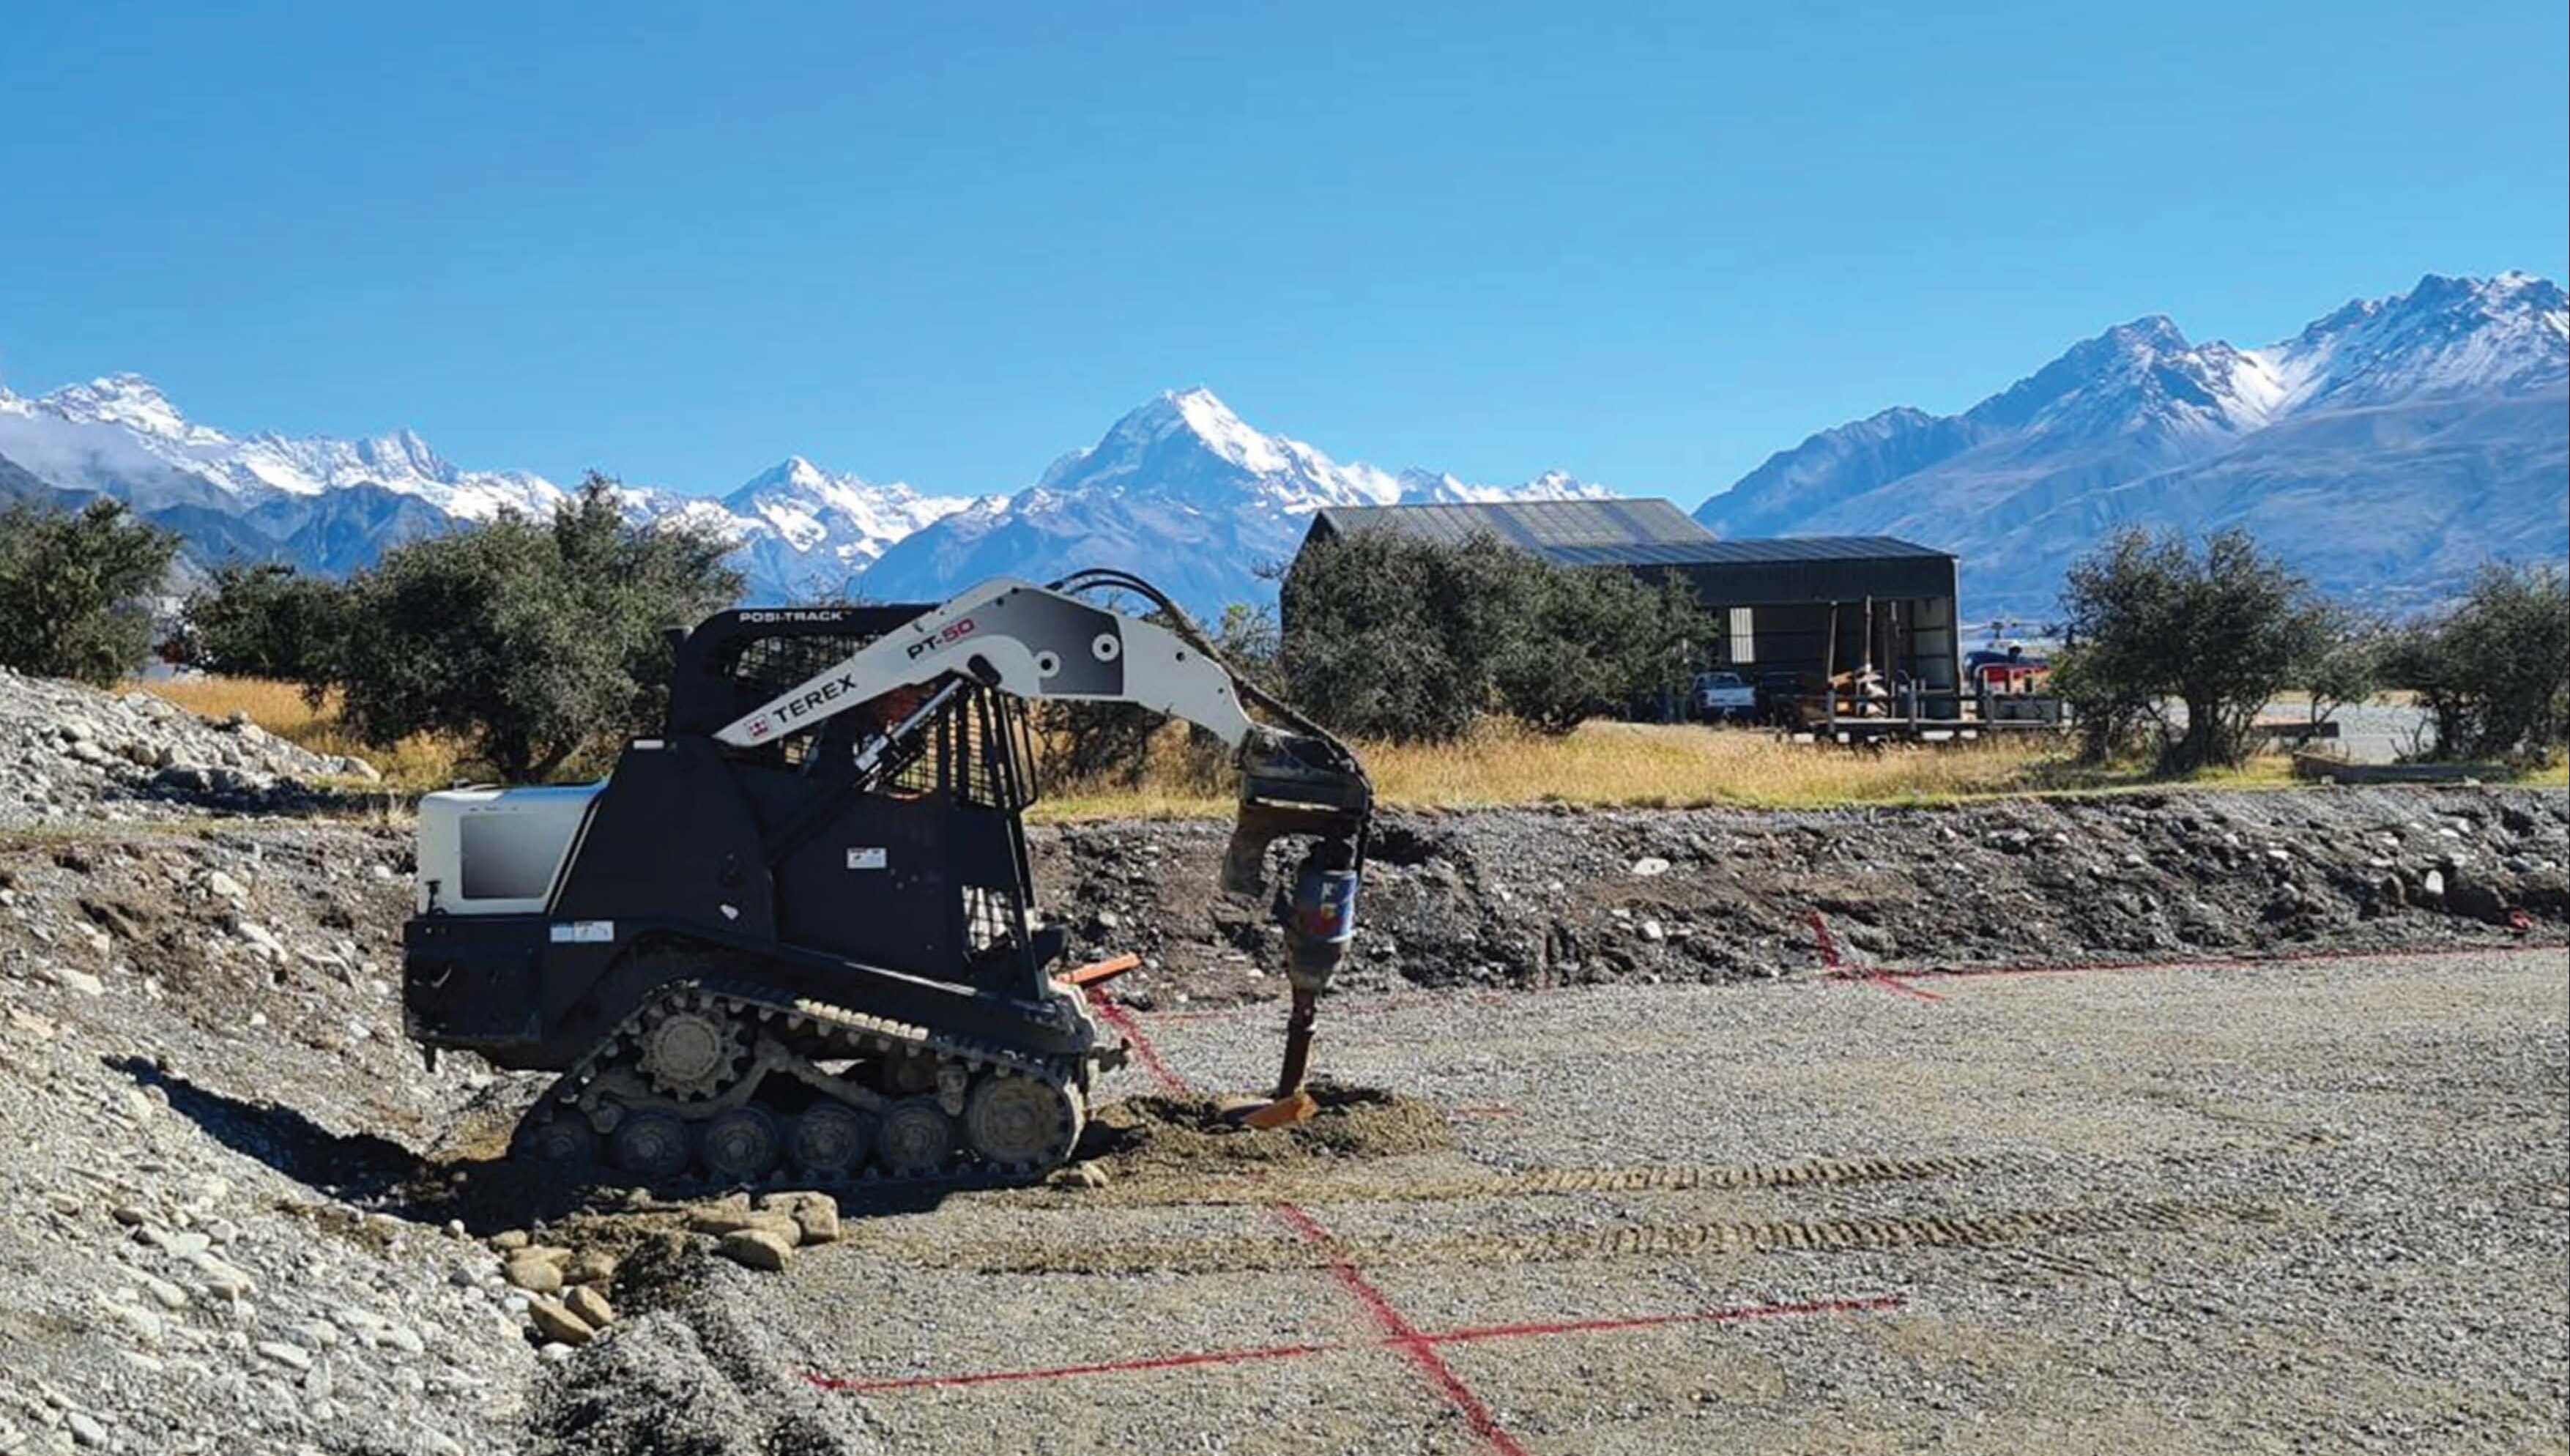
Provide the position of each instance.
(188, 1291)
(69, 752)
(558, 1279)
(565, 1291)
(765, 1235)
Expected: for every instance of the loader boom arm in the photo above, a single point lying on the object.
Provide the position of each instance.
(1024, 640)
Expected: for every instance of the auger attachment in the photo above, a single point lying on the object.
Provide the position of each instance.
(1320, 920)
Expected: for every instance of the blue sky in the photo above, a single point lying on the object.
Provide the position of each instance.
(1647, 242)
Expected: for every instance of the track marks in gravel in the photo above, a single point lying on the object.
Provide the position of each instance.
(1532, 1182)
(1628, 1241)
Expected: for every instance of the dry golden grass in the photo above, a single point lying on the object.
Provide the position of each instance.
(1600, 766)
(1650, 766)
(421, 762)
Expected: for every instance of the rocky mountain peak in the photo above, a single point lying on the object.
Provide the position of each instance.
(2387, 448)
(128, 400)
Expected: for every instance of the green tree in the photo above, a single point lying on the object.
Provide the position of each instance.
(73, 589)
(2493, 671)
(1246, 639)
(265, 620)
(2347, 667)
(2154, 621)
(1597, 643)
(533, 639)
(1390, 637)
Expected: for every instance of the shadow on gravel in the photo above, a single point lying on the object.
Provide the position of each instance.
(488, 1192)
(359, 1167)
(475, 1181)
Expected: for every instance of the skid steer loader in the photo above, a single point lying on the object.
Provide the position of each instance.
(792, 935)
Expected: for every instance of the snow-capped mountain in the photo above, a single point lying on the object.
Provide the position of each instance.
(1181, 491)
(332, 505)
(96, 435)
(2385, 451)
(808, 533)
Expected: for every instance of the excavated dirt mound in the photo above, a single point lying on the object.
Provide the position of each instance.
(1175, 1136)
(1543, 897)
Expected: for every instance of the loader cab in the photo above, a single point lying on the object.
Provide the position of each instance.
(923, 871)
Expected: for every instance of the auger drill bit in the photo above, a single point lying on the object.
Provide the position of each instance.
(1291, 1104)
(1320, 920)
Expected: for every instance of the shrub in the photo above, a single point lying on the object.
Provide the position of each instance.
(73, 589)
(2493, 673)
(1388, 637)
(2347, 667)
(2152, 620)
(533, 640)
(264, 621)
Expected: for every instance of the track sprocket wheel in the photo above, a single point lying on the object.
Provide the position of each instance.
(1022, 1122)
(740, 1145)
(650, 1145)
(830, 1141)
(916, 1136)
(691, 1052)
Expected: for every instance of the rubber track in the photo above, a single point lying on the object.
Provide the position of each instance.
(963, 1174)
(1638, 1240)
(1147, 1189)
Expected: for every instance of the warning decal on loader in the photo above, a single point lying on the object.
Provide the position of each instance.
(871, 857)
(583, 932)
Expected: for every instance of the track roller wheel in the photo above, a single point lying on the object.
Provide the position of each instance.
(916, 1136)
(830, 1141)
(1023, 1122)
(565, 1144)
(650, 1145)
(740, 1145)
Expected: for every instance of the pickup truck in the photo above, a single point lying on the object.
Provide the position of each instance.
(1724, 698)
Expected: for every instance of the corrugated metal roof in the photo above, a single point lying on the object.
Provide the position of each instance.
(1640, 532)
(1540, 526)
(1809, 548)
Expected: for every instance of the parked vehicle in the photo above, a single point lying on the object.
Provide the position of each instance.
(1724, 698)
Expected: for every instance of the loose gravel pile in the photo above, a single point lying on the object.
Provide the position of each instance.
(1535, 898)
(1160, 1136)
(205, 1084)
(74, 754)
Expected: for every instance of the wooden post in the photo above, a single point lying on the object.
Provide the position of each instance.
(1865, 661)
(1830, 671)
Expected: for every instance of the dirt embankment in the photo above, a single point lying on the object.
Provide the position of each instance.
(1536, 897)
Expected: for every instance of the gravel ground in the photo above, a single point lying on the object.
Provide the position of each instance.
(2306, 1206)
(2289, 1204)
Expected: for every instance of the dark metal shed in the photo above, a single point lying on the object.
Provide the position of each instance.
(1808, 606)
